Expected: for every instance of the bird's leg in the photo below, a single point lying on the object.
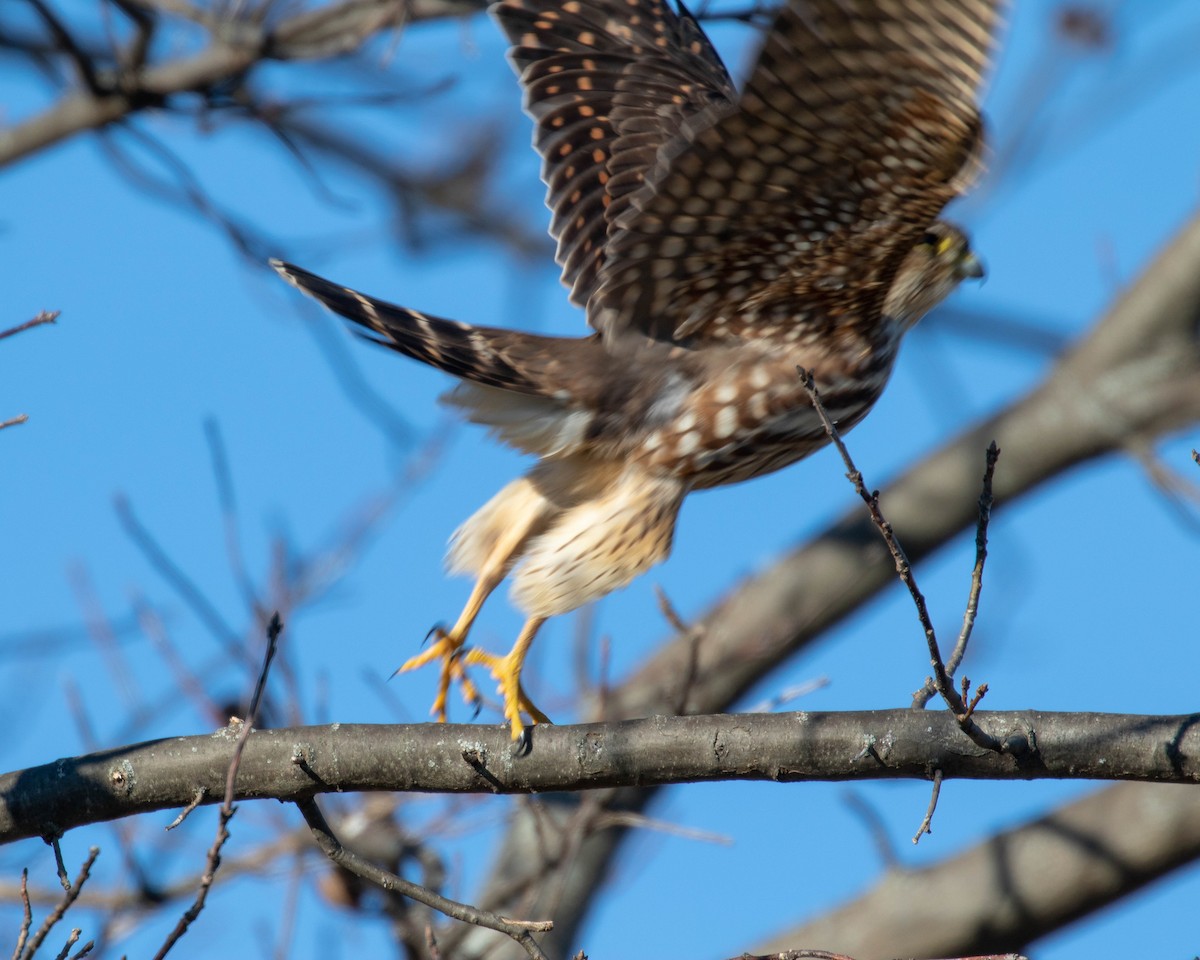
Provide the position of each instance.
(507, 671)
(448, 646)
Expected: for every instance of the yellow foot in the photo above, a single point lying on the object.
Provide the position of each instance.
(507, 671)
(449, 649)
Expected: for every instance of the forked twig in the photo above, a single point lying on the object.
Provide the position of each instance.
(941, 678)
(922, 696)
(60, 910)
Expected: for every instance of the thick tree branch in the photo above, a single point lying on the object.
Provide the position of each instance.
(295, 764)
(1026, 882)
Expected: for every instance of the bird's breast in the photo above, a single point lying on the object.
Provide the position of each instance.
(735, 417)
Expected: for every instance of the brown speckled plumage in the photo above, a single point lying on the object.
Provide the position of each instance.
(716, 241)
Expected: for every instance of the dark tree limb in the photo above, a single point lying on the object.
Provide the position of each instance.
(1027, 882)
(295, 764)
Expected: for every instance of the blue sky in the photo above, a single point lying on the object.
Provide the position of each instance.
(1089, 597)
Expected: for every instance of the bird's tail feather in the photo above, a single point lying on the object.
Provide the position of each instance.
(466, 351)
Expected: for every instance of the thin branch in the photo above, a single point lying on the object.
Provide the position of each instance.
(519, 930)
(66, 42)
(223, 477)
(941, 678)
(133, 58)
(186, 682)
(213, 862)
(71, 895)
(45, 316)
(981, 540)
(184, 586)
(603, 819)
(59, 866)
(196, 800)
(876, 827)
(981, 527)
(927, 820)
(26, 918)
(788, 694)
(72, 939)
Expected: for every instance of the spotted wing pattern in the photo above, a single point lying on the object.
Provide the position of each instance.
(607, 82)
(797, 207)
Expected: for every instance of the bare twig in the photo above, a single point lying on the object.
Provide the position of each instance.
(927, 820)
(670, 614)
(186, 680)
(26, 918)
(213, 861)
(197, 799)
(72, 894)
(60, 866)
(981, 527)
(133, 58)
(46, 316)
(878, 830)
(66, 42)
(677, 623)
(223, 477)
(72, 939)
(519, 930)
(183, 585)
(788, 694)
(82, 952)
(1178, 490)
(603, 819)
(941, 679)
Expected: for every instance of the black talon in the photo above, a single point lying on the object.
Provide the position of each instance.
(438, 627)
(524, 743)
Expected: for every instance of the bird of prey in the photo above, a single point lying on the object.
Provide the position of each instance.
(717, 241)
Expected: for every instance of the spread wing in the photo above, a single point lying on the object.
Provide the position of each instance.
(608, 83)
(857, 125)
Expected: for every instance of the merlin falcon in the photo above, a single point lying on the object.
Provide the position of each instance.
(717, 241)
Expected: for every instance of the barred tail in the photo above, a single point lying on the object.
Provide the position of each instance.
(473, 353)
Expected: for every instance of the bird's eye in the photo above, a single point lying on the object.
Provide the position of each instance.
(942, 243)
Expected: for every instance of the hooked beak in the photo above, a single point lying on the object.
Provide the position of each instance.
(971, 267)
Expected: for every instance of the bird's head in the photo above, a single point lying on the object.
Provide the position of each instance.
(941, 259)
